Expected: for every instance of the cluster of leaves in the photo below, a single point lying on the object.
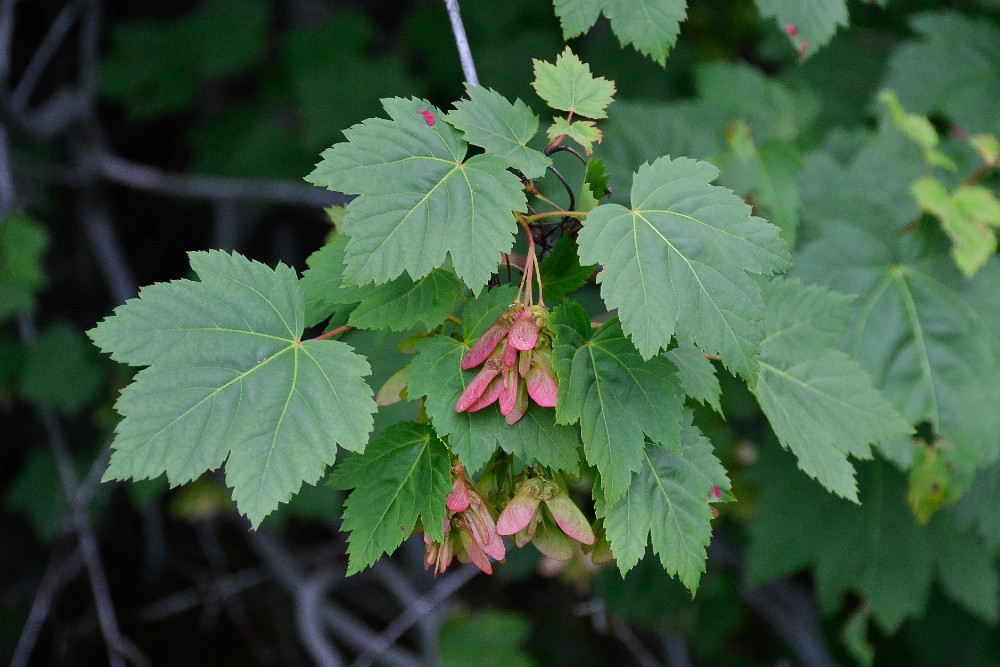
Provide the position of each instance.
(880, 345)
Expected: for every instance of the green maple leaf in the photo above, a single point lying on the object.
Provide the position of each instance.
(397, 305)
(618, 398)
(403, 475)
(22, 244)
(681, 255)
(914, 308)
(570, 86)
(875, 549)
(931, 76)
(820, 403)
(487, 119)
(436, 372)
(420, 198)
(814, 22)
(230, 380)
(651, 26)
(696, 374)
(667, 503)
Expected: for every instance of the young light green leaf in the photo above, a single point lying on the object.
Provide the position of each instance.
(967, 217)
(436, 372)
(583, 132)
(820, 403)
(22, 244)
(488, 120)
(229, 380)
(681, 255)
(570, 86)
(696, 374)
(420, 198)
(618, 398)
(667, 503)
(403, 475)
(809, 25)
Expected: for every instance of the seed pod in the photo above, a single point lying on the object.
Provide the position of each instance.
(521, 509)
(523, 333)
(483, 348)
(476, 388)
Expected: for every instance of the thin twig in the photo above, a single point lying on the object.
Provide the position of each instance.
(462, 42)
(62, 566)
(21, 96)
(7, 191)
(309, 605)
(104, 242)
(628, 638)
(443, 589)
(142, 177)
(6, 37)
(119, 647)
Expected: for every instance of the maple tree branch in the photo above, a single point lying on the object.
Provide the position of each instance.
(64, 564)
(445, 587)
(462, 42)
(333, 332)
(50, 43)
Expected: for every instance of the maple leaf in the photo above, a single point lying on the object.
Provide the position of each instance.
(811, 24)
(696, 374)
(618, 398)
(820, 403)
(487, 119)
(404, 474)
(568, 85)
(651, 26)
(914, 308)
(682, 254)
(667, 503)
(230, 380)
(420, 198)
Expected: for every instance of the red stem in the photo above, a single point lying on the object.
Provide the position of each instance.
(333, 332)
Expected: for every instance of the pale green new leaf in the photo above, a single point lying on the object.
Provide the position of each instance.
(403, 475)
(436, 372)
(230, 381)
(570, 86)
(618, 398)
(681, 255)
(487, 119)
(967, 217)
(814, 21)
(420, 198)
(696, 374)
(667, 503)
(819, 402)
(583, 132)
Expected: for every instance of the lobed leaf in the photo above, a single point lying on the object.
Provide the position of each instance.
(812, 24)
(403, 475)
(667, 504)
(568, 85)
(420, 198)
(503, 128)
(229, 380)
(618, 398)
(651, 26)
(681, 256)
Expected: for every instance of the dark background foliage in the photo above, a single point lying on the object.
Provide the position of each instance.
(135, 132)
